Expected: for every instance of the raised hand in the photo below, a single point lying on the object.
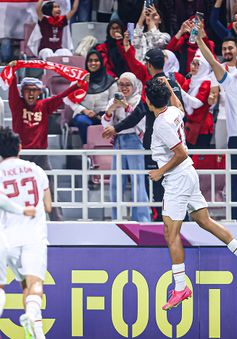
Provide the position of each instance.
(126, 42)
(186, 26)
(12, 63)
(118, 36)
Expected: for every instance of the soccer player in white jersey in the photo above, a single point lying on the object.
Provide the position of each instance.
(7, 204)
(181, 184)
(25, 249)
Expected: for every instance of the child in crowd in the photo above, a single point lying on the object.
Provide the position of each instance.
(51, 24)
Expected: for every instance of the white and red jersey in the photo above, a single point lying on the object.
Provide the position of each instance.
(168, 132)
(25, 183)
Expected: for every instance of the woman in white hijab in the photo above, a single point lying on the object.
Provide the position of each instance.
(117, 110)
(171, 63)
(195, 92)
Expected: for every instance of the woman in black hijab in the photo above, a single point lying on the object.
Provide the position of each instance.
(112, 49)
(101, 89)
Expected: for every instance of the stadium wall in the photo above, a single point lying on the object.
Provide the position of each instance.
(113, 292)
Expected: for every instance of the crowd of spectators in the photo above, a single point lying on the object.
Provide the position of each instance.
(160, 46)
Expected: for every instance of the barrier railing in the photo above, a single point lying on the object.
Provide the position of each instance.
(83, 174)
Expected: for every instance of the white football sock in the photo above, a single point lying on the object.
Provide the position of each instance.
(33, 305)
(2, 300)
(233, 246)
(179, 276)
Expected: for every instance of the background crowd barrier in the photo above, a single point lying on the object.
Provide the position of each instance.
(83, 199)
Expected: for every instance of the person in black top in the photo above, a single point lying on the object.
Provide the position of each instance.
(153, 68)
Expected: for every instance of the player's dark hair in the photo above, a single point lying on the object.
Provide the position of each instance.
(9, 143)
(231, 38)
(157, 92)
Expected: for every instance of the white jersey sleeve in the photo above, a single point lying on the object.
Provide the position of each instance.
(229, 83)
(7, 205)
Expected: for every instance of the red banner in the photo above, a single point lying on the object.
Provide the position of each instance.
(19, 1)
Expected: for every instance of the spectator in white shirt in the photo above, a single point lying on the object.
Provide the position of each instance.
(228, 82)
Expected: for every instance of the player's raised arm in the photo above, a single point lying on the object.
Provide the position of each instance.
(174, 100)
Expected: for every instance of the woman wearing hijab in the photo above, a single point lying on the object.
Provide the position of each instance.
(101, 89)
(195, 93)
(117, 110)
(112, 50)
(171, 62)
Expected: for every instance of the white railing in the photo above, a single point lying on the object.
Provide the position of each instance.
(86, 172)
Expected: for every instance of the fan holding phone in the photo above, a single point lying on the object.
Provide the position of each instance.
(123, 103)
(184, 42)
(150, 31)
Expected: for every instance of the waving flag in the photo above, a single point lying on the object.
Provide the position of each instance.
(70, 73)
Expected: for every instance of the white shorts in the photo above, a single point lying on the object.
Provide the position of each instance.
(182, 194)
(24, 260)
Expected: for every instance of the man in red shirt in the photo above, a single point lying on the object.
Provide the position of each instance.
(30, 121)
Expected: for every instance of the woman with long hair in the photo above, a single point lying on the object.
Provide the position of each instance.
(149, 32)
(112, 50)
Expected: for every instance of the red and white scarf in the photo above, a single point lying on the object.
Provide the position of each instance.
(70, 73)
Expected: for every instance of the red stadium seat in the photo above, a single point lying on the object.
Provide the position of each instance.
(211, 162)
(99, 162)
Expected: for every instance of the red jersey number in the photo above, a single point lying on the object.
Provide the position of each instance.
(29, 183)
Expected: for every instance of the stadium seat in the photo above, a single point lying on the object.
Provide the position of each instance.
(99, 162)
(67, 128)
(73, 60)
(82, 29)
(211, 162)
(55, 82)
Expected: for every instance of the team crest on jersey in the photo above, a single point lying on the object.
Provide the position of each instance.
(177, 121)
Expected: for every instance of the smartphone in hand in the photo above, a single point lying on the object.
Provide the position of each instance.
(118, 96)
(148, 3)
(130, 29)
